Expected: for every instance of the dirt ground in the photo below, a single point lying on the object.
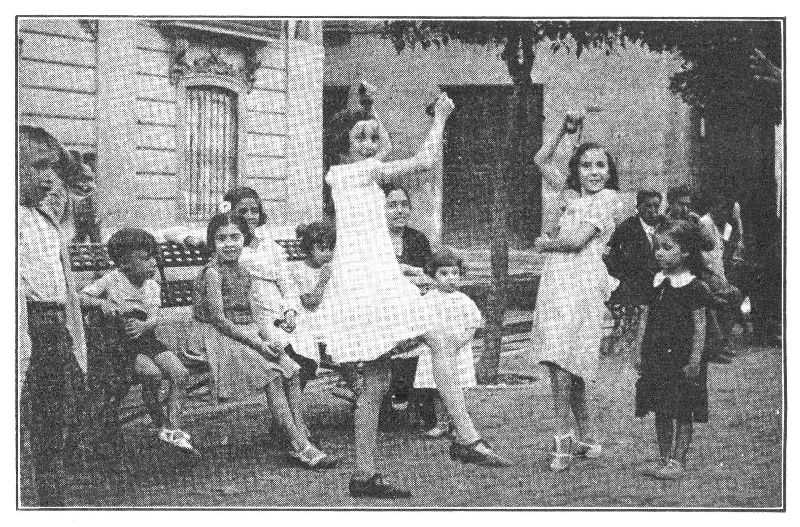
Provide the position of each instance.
(736, 459)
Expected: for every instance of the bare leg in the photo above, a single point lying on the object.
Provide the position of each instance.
(561, 384)
(583, 408)
(279, 407)
(151, 377)
(444, 373)
(178, 377)
(294, 397)
(376, 384)
(442, 417)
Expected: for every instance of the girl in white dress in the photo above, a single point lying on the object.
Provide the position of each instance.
(369, 305)
(567, 320)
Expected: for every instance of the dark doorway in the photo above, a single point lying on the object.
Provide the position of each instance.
(334, 99)
(472, 138)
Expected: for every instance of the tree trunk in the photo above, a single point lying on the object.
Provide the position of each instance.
(489, 362)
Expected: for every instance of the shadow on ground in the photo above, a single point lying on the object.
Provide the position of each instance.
(736, 460)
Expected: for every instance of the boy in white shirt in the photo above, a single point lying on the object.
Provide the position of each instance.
(130, 300)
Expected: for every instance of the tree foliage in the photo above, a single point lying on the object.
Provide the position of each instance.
(728, 65)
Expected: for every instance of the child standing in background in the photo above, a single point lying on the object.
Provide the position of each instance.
(672, 337)
(461, 316)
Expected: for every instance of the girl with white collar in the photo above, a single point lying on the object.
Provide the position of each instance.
(673, 364)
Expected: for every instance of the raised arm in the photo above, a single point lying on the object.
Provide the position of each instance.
(545, 156)
(408, 172)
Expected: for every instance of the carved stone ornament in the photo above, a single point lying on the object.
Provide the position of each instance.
(90, 26)
(210, 62)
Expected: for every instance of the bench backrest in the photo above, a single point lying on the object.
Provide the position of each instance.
(174, 293)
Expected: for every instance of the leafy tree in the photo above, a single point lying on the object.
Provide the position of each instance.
(728, 67)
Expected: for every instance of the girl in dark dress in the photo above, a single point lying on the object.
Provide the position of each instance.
(672, 366)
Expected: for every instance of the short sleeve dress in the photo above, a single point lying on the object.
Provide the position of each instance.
(568, 317)
(369, 306)
(663, 387)
(272, 293)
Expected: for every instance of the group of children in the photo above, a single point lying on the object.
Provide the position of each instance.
(255, 325)
(253, 336)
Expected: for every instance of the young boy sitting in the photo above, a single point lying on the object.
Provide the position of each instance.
(130, 301)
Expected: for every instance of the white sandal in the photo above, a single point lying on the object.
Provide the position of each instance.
(562, 457)
(177, 438)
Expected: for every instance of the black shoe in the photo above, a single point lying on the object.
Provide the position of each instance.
(375, 487)
(719, 359)
(470, 454)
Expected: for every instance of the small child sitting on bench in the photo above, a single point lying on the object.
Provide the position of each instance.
(130, 300)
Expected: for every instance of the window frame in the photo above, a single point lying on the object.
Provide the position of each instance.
(237, 87)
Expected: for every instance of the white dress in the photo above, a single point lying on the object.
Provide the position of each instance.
(369, 306)
(567, 321)
(459, 314)
(304, 280)
(272, 294)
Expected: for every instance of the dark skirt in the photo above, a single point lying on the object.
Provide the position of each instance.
(671, 394)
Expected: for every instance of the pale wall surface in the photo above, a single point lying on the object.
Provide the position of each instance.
(644, 125)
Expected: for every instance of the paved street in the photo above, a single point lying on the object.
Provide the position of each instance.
(736, 460)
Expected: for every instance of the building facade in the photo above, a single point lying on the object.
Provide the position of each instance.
(178, 111)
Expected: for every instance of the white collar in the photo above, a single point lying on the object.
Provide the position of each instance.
(649, 229)
(677, 280)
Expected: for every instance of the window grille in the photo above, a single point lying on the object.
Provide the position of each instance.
(211, 148)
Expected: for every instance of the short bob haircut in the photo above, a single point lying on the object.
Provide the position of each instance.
(573, 180)
(316, 233)
(645, 194)
(235, 195)
(687, 235)
(336, 140)
(444, 257)
(125, 241)
(223, 219)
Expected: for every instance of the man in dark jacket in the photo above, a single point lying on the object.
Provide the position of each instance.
(631, 260)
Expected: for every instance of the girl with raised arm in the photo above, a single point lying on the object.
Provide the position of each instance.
(567, 323)
(369, 306)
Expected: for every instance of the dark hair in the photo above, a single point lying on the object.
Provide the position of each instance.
(388, 188)
(223, 219)
(336, 139)
(235, 195)
(681, 191)
(444, 257)
(123, 242)
(316, 233)
(39, 136)
(573, 181)
(646, 194)
(686, 234)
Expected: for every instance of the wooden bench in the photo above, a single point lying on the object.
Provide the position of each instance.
(94, 258)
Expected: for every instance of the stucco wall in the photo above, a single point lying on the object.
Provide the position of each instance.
(644, 125)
